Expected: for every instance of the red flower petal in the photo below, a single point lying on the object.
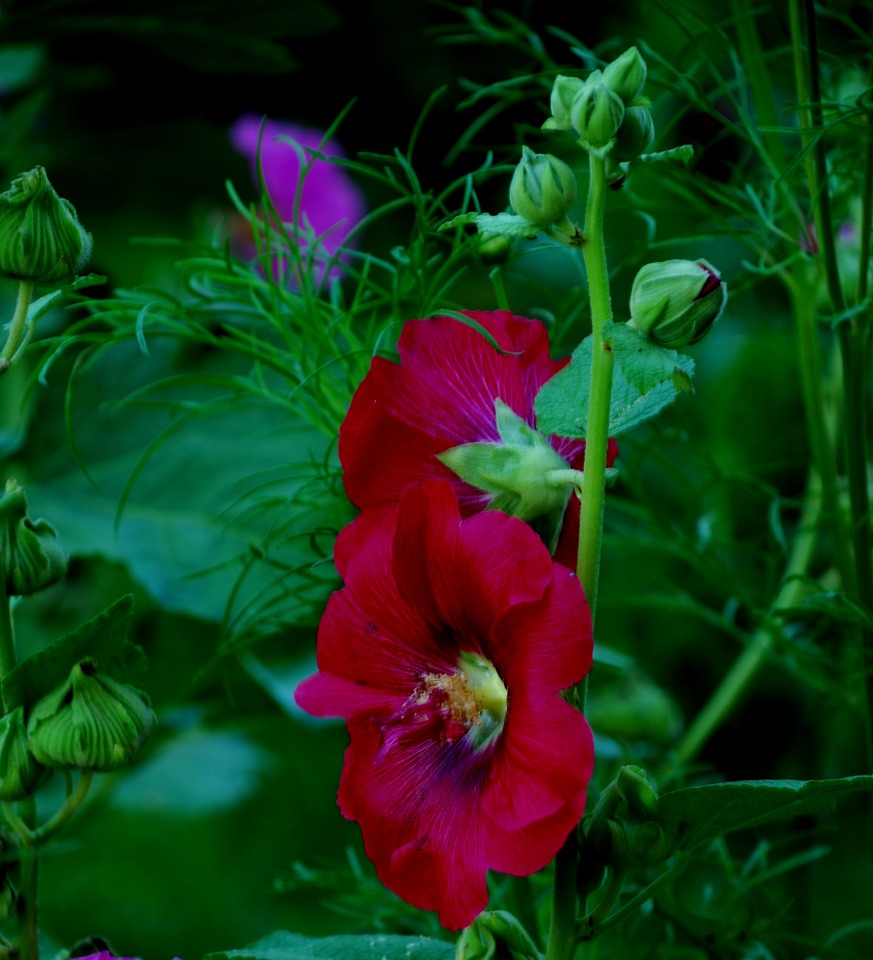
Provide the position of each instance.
(439, 804)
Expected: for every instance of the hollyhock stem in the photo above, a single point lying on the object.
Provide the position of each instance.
(17, 325)
(562, 942)
(7, 635)
(597, 432)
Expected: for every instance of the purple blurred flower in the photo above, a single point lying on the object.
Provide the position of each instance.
(329, 203)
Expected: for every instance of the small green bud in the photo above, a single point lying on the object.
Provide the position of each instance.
(20, 773)
(543, 188)
(626, 75)
(563, 94)
(676, 302)
(596, 113)
(31, 557)
(89, 722)
(41, 238)
(494, 248)
(636, 133)
(476, 943)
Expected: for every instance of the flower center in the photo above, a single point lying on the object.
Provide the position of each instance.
(467, 704)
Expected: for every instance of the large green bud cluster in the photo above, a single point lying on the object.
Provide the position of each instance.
(607, 111)
(41, 239)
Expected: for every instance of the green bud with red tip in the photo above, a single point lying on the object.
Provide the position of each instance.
(676, 302)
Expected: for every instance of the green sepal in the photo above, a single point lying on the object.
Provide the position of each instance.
(103, 638)
(515, 471)
(89, 722)
(562, 403)
(20, 772)
(31, 557)
(694, 816)
(282, 945)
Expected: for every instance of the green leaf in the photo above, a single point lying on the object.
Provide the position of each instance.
(681, 154)
(646, 365)
(696, 815)
(293, 946)
(103, 637)
(562, 403)
(500, 224)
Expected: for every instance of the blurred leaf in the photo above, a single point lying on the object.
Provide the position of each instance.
(198, 773)
(562, 403)
(496, 225)
(696, 815)
(104, 638)
(835, 604)
(292, 946)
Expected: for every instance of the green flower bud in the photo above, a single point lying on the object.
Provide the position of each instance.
(676, 302)
(543, 188)
(41, 238)
(476, 943)
(31, 557)
(20, 773)
(90, 722)
(494, 248)
(636, 133)
(596, 113)
(563, 94)
(626, 75)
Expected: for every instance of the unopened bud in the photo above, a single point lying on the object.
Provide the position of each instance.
(543, 188)
(20, 773)
(41, 239)
(596, 113)
(626, 75)
(564, 93)
(635, 135)
(89, 722)
(31, 557)
(494, 248)
(676, 302)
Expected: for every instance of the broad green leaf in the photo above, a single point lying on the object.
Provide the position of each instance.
(294, 946)
(562, 403)
(103, 637)
(681, 155)
(646, 365)
(696, 815)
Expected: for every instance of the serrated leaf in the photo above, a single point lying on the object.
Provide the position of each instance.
(681, 154)
(696, 815)
(562, 403)
(293, 946)
(499, 224)
(645, 364)
(104, 638)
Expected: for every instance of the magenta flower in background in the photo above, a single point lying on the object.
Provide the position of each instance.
(330, 203)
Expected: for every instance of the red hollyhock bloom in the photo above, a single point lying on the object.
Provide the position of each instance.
(446, 653)
(442, 394)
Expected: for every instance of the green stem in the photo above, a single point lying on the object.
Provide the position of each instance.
(7, 634)
(562, 945)
(499, 287)
(70, 806)
(737, 680)
(28, 911)
(602, 364)
(18, 324)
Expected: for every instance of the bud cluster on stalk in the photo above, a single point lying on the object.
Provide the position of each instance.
(606, 111)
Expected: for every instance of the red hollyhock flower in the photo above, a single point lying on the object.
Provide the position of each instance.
(442, 395)
(446, 653)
